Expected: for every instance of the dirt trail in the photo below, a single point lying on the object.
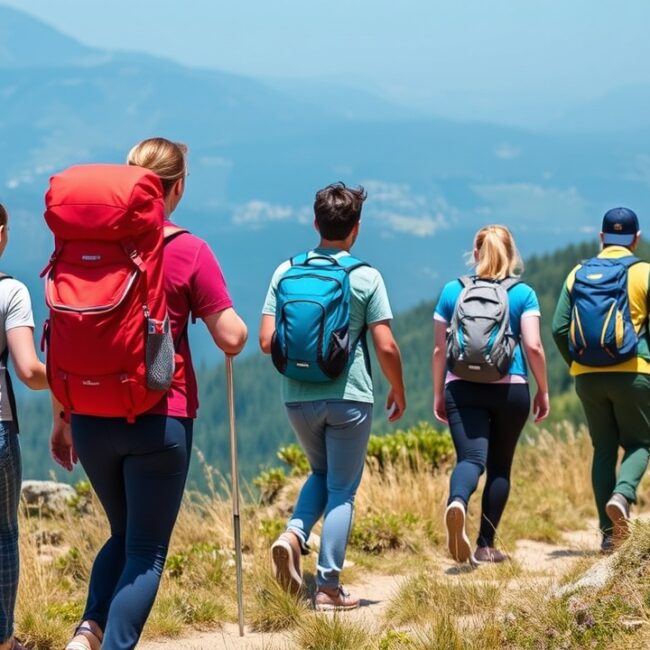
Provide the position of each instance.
(538, 562)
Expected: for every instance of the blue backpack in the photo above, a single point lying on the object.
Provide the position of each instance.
(601, 332)
(312, 318)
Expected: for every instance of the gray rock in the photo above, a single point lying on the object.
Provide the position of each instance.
(46, 498)
(594, 578)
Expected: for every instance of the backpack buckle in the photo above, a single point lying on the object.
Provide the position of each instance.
(134, 255)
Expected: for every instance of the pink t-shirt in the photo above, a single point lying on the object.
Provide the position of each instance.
(195, 286)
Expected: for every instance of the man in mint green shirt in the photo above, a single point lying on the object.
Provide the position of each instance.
(332, 420)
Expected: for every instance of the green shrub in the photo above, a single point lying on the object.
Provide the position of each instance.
(271, 528)
(176, 564)
(379, 533)
(294, 456)
(270, 482)
(82, 501)
(71, 565)
(419, 444)
(68, 611)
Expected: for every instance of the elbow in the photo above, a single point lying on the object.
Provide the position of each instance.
(535, 350)
(387, 349)
(34, 378)
(265, 344)
(233, 342)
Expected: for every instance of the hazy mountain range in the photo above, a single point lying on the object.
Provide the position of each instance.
(259, 150)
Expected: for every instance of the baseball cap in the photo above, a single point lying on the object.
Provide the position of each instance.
(620, 226)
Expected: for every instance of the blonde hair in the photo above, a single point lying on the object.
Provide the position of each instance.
(165, 158)
(497, 254)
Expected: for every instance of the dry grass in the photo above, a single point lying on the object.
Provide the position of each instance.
(399, 512)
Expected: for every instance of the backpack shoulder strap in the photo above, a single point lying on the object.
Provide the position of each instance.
(509, 282)
(171, 232)
(349, 263)
(297, 260)
(628, 261)
(4, 360)
(466, 281)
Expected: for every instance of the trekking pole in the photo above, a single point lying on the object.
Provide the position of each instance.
(235, 492)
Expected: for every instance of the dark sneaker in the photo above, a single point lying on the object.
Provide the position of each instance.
(285, 556)
(336, 599)
(457, 540)
(607, 545)
(618, 510)
(484, 554)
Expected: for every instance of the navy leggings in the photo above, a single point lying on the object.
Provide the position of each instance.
(138, 472)
(485, 421)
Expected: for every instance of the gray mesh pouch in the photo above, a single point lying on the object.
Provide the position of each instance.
(159, 355)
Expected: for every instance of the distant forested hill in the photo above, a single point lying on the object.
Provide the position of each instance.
(262, 425)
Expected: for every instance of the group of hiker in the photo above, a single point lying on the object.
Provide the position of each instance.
(124, 282)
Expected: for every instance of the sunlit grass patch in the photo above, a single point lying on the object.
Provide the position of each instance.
(424, 596)
(273, 609)
(333, 632)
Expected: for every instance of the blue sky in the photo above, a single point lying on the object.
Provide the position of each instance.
(503, 60)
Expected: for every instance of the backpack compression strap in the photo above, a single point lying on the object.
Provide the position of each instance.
(4, 359)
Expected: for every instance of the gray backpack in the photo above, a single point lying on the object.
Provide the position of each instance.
(480, 343)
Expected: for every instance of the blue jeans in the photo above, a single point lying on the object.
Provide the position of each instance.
(10, 482)
(334, 435)
(138, 472)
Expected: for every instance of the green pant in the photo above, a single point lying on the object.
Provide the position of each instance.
(617, 406)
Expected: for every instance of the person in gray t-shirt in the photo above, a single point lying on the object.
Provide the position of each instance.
(17, 341)
(332, 419)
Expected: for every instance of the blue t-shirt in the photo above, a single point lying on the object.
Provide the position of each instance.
(522, 299)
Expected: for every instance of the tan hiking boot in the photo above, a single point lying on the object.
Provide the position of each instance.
(486, 554)
(457, 540)
(334, 599)
(285, 556)
(618, 510)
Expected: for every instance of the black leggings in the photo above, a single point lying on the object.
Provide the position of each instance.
(138, 471)
(485, 421)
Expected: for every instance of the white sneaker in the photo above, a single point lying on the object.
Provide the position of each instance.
(457, 540)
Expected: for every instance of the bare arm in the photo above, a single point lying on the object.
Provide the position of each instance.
(390, 360)
(438, 367)
(228, 330)
(532, 344)
(267, 329)
(29, 368)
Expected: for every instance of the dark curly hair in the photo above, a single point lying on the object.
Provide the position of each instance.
(338, 209)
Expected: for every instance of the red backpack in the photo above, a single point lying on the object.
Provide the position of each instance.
(110, 350)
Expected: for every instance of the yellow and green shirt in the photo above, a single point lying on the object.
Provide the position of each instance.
(637, 289)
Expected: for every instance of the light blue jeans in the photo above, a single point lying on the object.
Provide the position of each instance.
(334, 435)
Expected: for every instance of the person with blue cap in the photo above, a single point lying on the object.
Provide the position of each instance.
(600, 328)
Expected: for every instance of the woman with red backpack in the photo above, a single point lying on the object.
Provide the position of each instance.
(138, 464)
(486, 327)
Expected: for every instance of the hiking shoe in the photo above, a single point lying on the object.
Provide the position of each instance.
(607, 545)
(618, 510)
(334, 599)
(457, 540)
(484, 554)
(285, 556)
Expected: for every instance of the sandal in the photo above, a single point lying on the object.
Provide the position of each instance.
(82, 632)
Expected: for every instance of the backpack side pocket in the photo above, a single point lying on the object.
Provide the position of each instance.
(159, 354)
